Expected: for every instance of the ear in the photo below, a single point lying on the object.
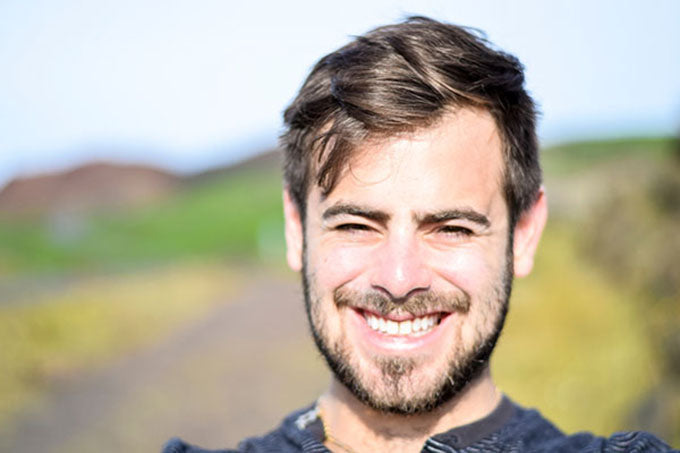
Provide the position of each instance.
(294, 232)
(527, 234)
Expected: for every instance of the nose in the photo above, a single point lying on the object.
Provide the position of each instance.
(399, 267)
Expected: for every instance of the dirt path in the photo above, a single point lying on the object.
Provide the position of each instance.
(234, 373)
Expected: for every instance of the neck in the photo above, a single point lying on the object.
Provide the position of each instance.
(363, 429)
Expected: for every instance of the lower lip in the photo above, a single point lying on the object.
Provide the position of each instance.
(397, 343)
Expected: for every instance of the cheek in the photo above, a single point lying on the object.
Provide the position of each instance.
(479, 276)
(339, 265)
(466, 269)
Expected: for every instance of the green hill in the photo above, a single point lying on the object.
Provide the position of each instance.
(234, 215)
(599, 316)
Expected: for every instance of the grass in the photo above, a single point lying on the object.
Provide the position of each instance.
(222, 217)
(574, 345)
(239, 215)
(90, 323)
(572, 157)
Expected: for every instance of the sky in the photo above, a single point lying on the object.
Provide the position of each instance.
(189, 84)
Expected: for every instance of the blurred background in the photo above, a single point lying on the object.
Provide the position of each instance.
(143, 291)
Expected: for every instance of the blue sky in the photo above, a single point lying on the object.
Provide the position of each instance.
(187, 84)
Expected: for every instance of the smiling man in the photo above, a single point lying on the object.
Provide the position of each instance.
(407, 267)
(412, 198)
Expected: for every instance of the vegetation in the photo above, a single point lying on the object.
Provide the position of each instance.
(626, 215)
(639, 250)
(238, 216)
(572, 339)
(91, 322)
(569, 158)
(600, 315)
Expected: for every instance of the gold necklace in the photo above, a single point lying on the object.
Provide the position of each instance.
(328, 436)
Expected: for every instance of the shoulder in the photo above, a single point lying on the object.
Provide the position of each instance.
(529, 431)
(287, 437)
(176, 445)
(273, 441)
(293, 435)
(635, 441)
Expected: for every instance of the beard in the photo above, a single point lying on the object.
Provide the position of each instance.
(397, 392)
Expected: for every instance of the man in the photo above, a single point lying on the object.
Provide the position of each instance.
(412, 197)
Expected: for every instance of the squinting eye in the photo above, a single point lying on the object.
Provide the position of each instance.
(352, 227)
(455, 230)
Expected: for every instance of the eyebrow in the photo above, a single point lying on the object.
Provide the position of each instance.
(356, 210)
(455, 214)
(430, 218)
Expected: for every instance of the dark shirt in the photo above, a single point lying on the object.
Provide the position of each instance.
(508, 429)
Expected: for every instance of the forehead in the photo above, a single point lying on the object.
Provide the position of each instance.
(460, 157)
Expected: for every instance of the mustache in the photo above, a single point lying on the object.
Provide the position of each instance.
(418, 304)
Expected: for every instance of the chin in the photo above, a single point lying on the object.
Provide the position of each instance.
(413, 380)
(406, 385)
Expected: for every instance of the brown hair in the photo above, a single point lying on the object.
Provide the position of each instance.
(400, 78)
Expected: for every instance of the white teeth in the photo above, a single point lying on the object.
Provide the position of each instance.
(405, 327)
(417, 326)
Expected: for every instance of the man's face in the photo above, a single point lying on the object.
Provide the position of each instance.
(407, 263)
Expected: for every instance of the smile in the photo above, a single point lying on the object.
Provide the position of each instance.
(411, 327)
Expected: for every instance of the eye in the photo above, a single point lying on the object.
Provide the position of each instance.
(352, 227)
(455, 230)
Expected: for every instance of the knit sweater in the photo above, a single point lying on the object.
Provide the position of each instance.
(508, 429)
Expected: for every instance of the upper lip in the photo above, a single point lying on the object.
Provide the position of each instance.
(399, 316)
